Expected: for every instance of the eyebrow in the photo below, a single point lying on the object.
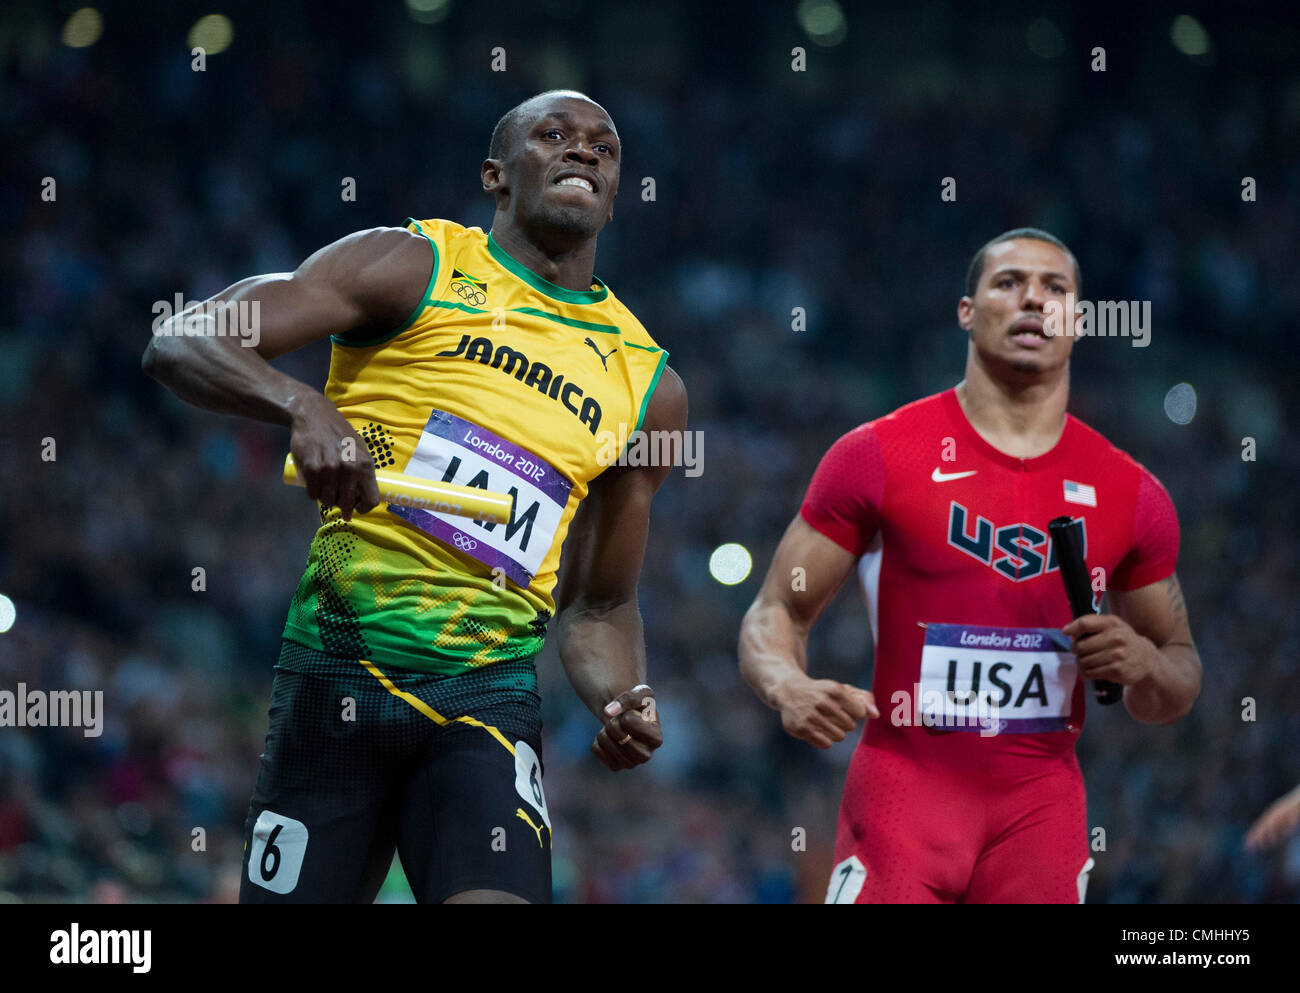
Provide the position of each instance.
(1017, 271)
(605, 127)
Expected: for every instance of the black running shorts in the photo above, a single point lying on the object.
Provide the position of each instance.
(364, 760)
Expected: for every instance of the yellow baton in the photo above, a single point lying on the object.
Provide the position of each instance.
(402, 490)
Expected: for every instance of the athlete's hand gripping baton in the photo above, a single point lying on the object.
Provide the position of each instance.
(430, 494)
(1067, 540)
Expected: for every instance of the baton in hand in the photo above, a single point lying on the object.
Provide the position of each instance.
(1067, 540)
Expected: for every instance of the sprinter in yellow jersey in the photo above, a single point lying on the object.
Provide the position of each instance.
(404, 712)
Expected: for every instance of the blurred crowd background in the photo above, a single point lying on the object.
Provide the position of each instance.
(774, 189)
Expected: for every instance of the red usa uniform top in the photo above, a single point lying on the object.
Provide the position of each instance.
(951, 531)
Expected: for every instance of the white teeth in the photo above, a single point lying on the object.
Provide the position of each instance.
(576, 181)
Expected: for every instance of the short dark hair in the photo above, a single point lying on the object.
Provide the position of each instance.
(503, 135)
(976, 269)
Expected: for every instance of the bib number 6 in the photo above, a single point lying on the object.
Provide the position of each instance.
(276, 852)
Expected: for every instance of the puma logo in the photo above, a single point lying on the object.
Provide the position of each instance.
(603, 355)
(519, 812)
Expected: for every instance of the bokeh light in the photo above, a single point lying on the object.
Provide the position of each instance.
(212, 33)
(428, 11)
(823, 20)
(1045, 39)
(1180, 403)
(83, 28)
(1188, 36)
(730, 564)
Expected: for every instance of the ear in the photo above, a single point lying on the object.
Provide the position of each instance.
(494, 176)
(965, 313)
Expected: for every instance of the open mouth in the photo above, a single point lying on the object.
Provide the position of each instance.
(573, 179)
(1028, 332)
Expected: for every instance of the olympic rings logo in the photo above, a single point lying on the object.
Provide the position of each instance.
(469, 293)
(464, 542)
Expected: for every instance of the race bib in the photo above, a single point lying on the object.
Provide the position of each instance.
(453, 450)
(1009, 680)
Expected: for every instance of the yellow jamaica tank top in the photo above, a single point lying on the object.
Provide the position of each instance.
(499, 380)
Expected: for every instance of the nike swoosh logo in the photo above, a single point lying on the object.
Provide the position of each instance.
(943, 477)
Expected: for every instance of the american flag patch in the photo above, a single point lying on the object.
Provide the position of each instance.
(1080, 493)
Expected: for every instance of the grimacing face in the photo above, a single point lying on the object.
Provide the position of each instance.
(562, 170)
(1007, 315)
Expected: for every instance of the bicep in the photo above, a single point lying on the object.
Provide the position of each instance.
(608, 534)
(807, 571)
(1156, 611)
(369, 280)
(607, 539)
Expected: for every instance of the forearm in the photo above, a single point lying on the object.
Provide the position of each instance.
(773, 649)
(603, 651)
(1168, 693)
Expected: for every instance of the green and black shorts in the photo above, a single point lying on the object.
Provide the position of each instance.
(363, 760)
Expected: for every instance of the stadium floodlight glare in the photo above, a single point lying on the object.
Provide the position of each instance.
(83, 28)
(823, 20)
(213, 33)
(730, 564)
(1188, 36)
(428, 11)
(1180, 403)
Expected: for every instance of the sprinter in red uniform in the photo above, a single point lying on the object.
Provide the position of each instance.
(965, 787)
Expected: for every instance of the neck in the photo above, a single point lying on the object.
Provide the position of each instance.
(1021, 414)
(563, 260)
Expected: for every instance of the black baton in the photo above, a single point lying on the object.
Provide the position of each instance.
(1067, 540)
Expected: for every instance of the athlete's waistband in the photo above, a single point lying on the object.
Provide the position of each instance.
(297, 657)
(973, 744)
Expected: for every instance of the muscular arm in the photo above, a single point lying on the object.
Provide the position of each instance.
(1145, 645)
(601, 641)
(366, 283)
(774, 639)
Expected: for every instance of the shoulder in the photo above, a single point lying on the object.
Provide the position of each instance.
(371, 246)
(905, 419)
(1153, 507)
(924, 412)
(854, 462)
(1098, 445)
(446, 238)
(859, 439)
(442, 229)
(382, 269)
(1094, 447)
(668, 405)
(629, 326)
